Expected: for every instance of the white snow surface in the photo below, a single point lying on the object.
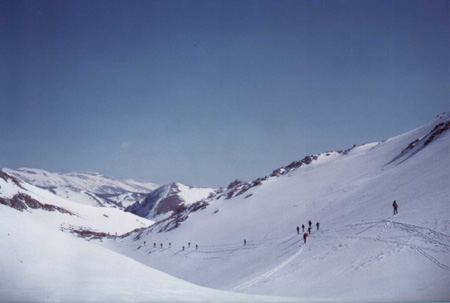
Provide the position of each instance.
(192, 194)
(41, 264)
(98, 219)
(361, 251)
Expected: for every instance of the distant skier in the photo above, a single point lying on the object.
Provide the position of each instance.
(317, 225)
(309, 223)
(298, 230)
(170, 244)
(183, 247)
(154, 244)
(309, 230)
(196, 246)
(303, 227)
(189, 244)
(144, 243)
(245, 242)
(161, 245)
(305, 235)
(395, 205)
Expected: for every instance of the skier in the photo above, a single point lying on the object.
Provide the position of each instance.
(395, 205)
(317, 225)
(298, 230)
(305, 235)
(189, 244)
(303, 227)
(154, 244)
(144, 243)
(196, 246)
(309, 230)
(161, 245)
(170, 244)
(183, 247)
(309, 223)
(245, 242)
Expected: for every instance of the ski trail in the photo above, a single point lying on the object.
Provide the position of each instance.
(441, 265)
(268, 273)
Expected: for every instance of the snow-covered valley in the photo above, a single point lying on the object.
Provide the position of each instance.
(361, 252)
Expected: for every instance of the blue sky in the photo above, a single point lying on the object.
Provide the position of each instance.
(204, 92)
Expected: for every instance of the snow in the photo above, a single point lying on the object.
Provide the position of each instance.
(362, 252)
(100, 219)
(85, 187)
(193, 194)
(41, 264)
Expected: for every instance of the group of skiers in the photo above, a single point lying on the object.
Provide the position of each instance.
(305, 235)
(170, 245)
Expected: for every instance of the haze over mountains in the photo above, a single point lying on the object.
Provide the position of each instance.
(361, 251)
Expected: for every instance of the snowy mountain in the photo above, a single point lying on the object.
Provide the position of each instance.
(86, 188)
(42, 262)
(361, 251)
(167, 200)
(62, 213)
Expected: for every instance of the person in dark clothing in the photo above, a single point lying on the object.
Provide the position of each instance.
(309, 230)
(170, 244)
(303, 227)
(144, 243)
(309, 223)
(183, 247)
(189, 244)
(196, 246)
(154, 245)
(245, 242)
(305, 235)
(317, 225)
(298, 230)
(395, 205)
(161, 245)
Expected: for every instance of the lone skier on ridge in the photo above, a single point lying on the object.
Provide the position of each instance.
(395, 205)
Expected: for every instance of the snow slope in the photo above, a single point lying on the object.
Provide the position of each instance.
(361, 252)
(86, 188)
(41, 264)
(81, 217)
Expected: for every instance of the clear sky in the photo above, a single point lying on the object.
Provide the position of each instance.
(204, 92)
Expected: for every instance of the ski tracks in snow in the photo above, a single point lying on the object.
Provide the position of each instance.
(434, 240)
(268, 273)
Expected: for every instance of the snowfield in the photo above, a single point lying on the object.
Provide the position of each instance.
(86, 188)
(361, 253)
(41, 264)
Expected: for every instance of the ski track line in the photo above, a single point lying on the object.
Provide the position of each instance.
(268, 273)
(441, 265)
(414, 247)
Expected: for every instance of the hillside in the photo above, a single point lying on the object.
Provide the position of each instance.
(361, 252)
(41, 264)
(85, 187)
(167, 200)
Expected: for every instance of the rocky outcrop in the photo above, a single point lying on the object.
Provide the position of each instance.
(23, 201)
